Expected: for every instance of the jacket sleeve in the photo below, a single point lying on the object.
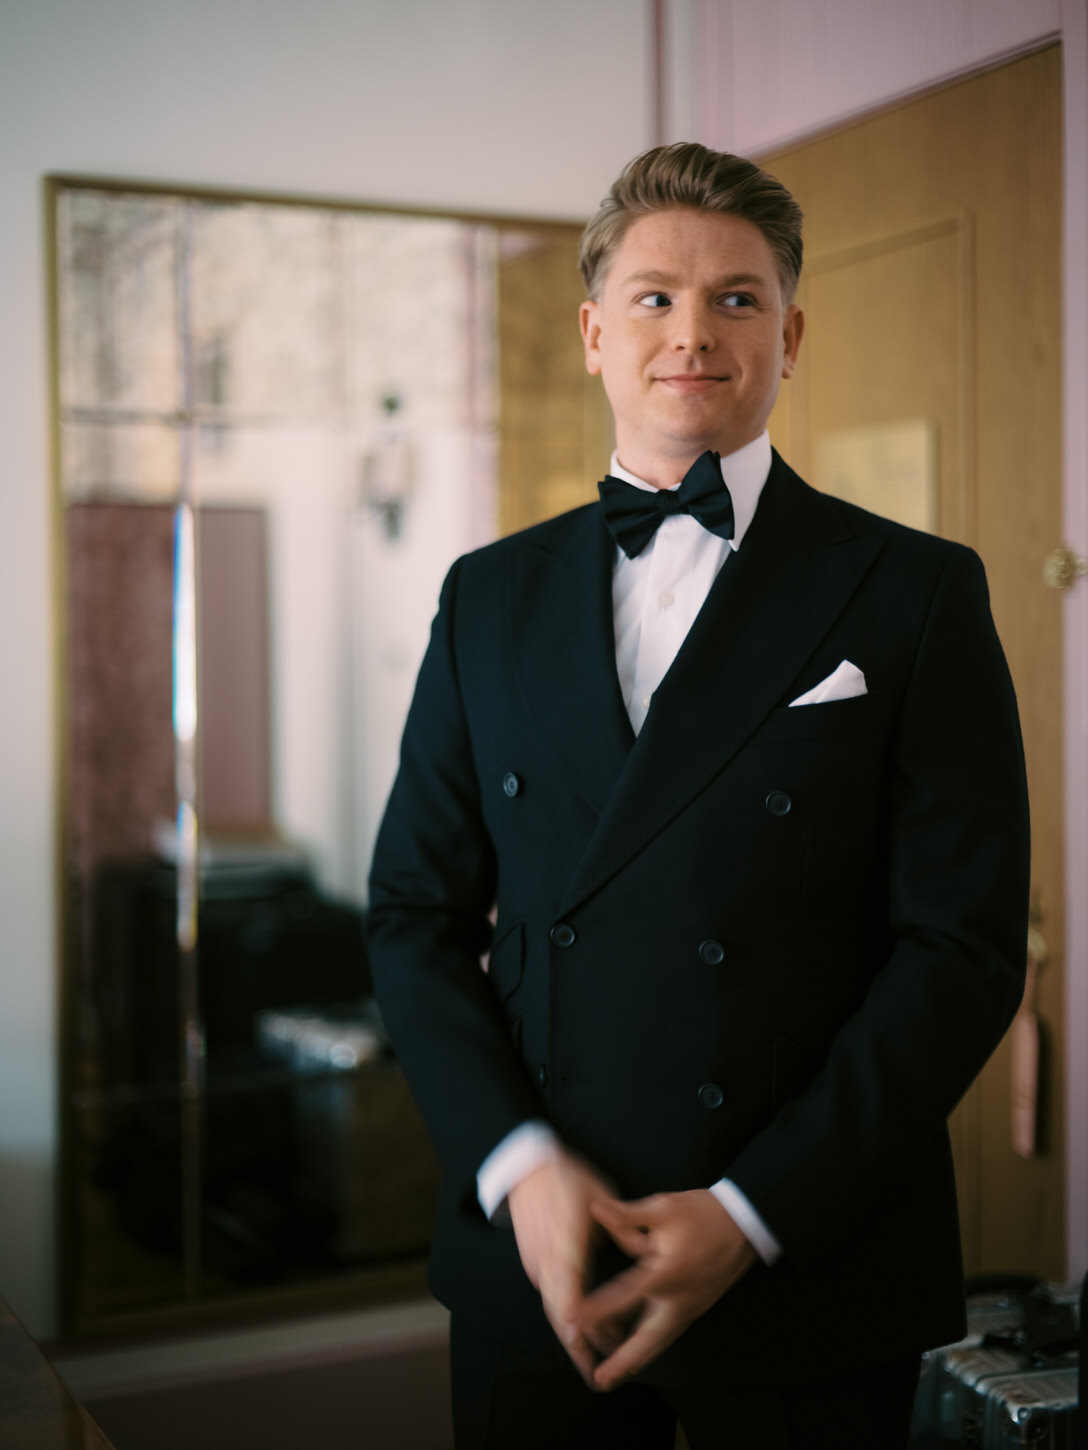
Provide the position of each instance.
(955, 837)
(432, 887)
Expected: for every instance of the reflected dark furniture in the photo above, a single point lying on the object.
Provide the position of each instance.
(302, 1172)
(268, 938)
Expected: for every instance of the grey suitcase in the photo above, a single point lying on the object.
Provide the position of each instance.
(962, 1386)
(996, 1314)
(1031, 1411)
(1012, 1381)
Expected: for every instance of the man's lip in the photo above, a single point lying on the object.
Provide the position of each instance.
(688, 380)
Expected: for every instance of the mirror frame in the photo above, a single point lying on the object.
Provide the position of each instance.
(370, 1284)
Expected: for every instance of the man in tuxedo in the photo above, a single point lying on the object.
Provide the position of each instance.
(734, 768)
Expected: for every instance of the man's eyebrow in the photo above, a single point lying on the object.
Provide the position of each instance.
(669, 279)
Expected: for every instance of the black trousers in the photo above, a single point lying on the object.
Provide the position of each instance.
(513, 1399)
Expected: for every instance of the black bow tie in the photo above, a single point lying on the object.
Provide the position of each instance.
(633, 515)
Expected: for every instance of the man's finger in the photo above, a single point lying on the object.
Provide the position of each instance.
(624, 1223)
(615, 1300)
(562, 1296)
(656, 1331)
(604, 1337)
(583, 1355)
(638, 1210)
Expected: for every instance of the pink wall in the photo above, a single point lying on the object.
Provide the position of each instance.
(772, 71)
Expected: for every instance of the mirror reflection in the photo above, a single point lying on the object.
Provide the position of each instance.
(278, 424)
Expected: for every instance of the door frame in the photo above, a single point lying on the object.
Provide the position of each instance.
(1075, 618)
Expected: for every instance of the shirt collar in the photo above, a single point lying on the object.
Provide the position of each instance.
(744, 472)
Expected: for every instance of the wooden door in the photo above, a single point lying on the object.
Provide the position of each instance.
(932, 295)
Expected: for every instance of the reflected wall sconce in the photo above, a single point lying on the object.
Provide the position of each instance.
(388, 479)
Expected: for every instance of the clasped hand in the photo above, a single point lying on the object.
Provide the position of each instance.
(687, 1253)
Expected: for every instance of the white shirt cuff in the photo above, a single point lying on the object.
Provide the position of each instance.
(526, 1148)
(747, 1220)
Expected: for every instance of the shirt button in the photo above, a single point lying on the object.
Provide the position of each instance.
(563, 934)
(711, 1095)
(778, 803)
(712, 952)
(666, 599)
(511, 784)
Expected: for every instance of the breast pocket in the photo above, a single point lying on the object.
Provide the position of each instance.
(855, 716)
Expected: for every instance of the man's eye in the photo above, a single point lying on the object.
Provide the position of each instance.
(655, 299)
(739, 300)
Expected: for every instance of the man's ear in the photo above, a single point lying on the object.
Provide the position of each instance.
(793, 329)
(589, 320)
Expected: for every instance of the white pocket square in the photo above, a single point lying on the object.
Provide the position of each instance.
(842, 683)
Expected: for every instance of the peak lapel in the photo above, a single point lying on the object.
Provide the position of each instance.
(769, 609)
(561, 592)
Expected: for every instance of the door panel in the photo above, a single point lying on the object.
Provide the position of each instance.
(916, 284)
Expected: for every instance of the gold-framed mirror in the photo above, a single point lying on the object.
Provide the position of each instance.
(277, 423)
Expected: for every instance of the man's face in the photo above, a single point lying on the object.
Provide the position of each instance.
(691, 337)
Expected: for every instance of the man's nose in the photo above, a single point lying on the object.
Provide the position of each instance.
(693, 329)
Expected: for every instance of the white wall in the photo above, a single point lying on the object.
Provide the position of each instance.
(493, 105)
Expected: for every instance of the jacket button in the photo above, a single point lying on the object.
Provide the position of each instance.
(712, 952)
(511, 784)
(711, 1095)
(563, 934)
(542, 1076)
(778, 803)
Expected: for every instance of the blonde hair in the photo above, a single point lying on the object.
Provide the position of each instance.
(686, 174)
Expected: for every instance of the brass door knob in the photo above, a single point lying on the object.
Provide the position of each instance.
(1038, 951)
(1062, 568)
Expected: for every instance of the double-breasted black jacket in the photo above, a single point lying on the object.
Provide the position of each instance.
(769, 943)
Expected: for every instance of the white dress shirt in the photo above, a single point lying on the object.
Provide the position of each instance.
(655, 599)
